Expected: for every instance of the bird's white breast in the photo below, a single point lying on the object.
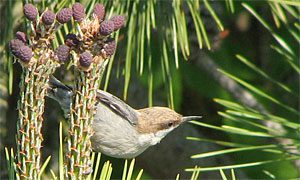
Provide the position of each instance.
(116, 137)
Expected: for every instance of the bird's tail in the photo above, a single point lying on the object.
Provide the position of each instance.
(55, 83)
(61, 93)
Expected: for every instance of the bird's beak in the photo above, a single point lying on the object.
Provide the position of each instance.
(190, 118)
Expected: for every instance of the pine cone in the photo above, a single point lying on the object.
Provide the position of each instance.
(30, 12)
(109, 47)
(63, 53)
(48, 17)
(106, 28)
(99, 11)
(64, 15)
(118, 22)
(15, 46)
(25, 54)
(71, 40)
(85, 59)
(21, 36)
(78, 12)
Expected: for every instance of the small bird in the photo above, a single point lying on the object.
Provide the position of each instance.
(120, 131)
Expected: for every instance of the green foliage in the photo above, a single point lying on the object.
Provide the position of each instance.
(147, 26)
(260, 124)
(156, 43)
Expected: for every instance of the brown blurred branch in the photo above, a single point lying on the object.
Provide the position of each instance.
(242, 95)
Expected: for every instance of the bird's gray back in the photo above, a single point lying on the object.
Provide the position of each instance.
(118, 106)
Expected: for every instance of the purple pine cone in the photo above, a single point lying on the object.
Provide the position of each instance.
(21, 36)
(99, 11)
(25, 54)
(85, 59)
(110, 47)
(71, 40)
(118, 21)
(63, 53)
(48, 17)
(30, 12)
(106, 28)
(78, 12)
(64, 15)
(15, 46)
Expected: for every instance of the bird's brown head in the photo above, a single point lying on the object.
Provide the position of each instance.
(154, 119)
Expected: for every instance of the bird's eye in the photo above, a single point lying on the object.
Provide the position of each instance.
(170, 124)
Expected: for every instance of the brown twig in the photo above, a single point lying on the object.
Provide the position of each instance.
(242, 95)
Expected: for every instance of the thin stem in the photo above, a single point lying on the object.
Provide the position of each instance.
(33, 88)
(81, 119)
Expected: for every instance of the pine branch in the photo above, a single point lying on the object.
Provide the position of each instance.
(242, 95)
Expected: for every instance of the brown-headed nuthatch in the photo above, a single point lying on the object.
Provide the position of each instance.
(119, 130)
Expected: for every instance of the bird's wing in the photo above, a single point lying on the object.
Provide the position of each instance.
(118, 106)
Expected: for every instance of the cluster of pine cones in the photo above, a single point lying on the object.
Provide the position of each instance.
(92, 38)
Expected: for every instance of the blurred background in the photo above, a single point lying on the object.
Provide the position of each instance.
(236, 63)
